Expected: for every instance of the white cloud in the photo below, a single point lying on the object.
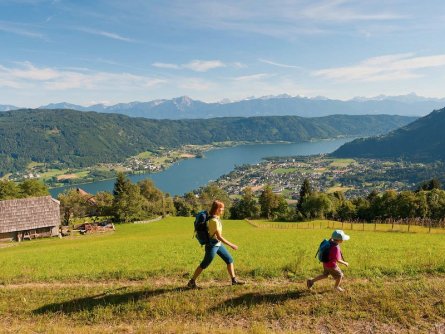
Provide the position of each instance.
(252, 77)
(166, 65)
(194, 65)
(50, 79)
(30, 72)
(384, 68)
(278, 64)
(283, 18)
(203, 65)
(344, 11)
(107, 34)
(21, 30)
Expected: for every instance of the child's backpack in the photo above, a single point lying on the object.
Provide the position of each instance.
(323, 251)
(201, 228)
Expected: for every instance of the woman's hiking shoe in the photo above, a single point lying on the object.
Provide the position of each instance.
(339, 289)
(192, 284)
(309, 284)
(236, 282)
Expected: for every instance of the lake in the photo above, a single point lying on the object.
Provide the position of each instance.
(187, 175)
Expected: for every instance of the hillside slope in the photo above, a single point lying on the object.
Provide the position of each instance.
(77, 139)
(422, 140)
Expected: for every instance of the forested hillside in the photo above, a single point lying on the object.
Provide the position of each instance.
(422, 140)
(77, 139)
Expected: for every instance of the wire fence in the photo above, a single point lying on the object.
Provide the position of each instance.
(413, 225)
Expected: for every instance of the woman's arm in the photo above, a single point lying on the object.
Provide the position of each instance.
(227, 242)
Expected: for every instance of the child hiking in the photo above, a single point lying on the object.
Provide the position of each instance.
(214, 246)
(330, 254)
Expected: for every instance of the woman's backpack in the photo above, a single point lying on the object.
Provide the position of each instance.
(201, 228)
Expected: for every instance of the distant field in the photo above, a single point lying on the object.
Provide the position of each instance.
(132, 280)
(341, 162)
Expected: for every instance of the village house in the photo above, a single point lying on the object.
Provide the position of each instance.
(29, 218)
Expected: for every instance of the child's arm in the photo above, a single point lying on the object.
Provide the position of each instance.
(343, 262)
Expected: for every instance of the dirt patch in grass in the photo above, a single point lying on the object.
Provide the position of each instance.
(66, 177)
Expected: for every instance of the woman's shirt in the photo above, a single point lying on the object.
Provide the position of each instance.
(214, 224)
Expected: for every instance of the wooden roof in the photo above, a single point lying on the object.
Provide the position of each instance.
(29, 213)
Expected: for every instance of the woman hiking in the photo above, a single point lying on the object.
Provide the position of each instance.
(216, 246)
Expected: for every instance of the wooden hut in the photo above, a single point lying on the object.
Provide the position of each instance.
(29, 218)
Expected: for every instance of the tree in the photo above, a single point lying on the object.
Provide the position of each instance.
(305, 191)
(104, 201)
(182, 206)
(246, 207)
(267, 202)
(193, 202)
(407, 205)
(346, 211)
(33, 188)
(127, 202)
(316, 205)
(155, 202)
(272, 205)
(9, 190)
(362, 208)
(436, 204)
(430, 185)
(73, 205)
(213, 192)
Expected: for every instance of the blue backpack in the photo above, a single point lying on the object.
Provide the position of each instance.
(323, 251)
(201, 228)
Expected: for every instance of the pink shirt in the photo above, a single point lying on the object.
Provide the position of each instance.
(334, 256)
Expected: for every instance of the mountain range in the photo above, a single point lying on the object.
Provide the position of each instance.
(69, 138)
(422, 140)
(281, 105)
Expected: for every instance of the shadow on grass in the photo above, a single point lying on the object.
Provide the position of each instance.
(104, 299)
(254, 298)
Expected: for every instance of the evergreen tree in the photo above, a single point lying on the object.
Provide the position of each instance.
(127, 202)
(305, 190)
(430, 185)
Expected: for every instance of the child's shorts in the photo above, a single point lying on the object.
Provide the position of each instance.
(334, 272)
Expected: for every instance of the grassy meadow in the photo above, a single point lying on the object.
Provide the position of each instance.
(132, 280)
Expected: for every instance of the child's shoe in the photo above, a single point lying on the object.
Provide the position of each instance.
(339, 289)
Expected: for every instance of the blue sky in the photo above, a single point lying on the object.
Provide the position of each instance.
(110, 51)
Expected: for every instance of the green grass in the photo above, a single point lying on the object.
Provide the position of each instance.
(166, 249)
(53, 172)
(132, 280)
(144, 155)
(341, 162)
